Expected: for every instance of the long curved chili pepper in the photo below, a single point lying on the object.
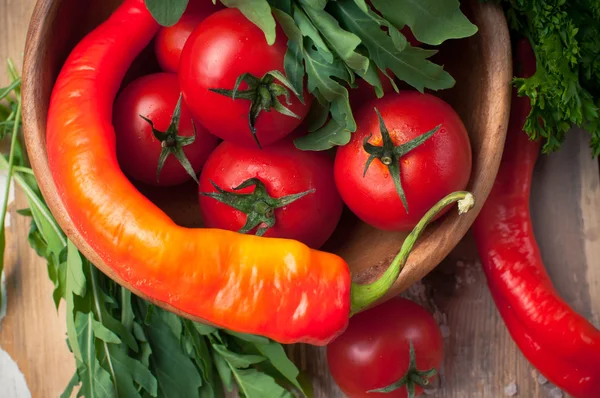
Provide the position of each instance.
(512, 262)
(277, 288)
(578, 381)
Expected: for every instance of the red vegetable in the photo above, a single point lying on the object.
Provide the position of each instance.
(375, 351)
(294, 192)
(169, 41)
(168, 154)
(410, 157)
(224, 48)
(541, 322)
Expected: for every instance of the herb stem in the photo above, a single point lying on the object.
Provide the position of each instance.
(95, 287)
(3, 209)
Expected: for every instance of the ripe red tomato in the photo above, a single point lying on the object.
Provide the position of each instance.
(436, 168)
(169, 41)
(155, 97)
(225, 46)
(374, 351)
(284, 170)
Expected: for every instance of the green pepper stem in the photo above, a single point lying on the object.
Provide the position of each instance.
(362, 296)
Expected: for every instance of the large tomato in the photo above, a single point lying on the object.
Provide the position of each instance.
(299, 195)
(155, 98)
(169, 41)
(222, 48)
(437, 167)
(374, 351)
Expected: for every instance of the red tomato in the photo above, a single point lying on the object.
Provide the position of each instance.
(225, 46)
(438, 167)
(169, 41)
(374, 351)
(155, 97)
(284, 170)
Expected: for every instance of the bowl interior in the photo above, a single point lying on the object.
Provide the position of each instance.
(481, 66)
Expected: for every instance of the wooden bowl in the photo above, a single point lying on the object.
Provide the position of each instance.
(481, 65)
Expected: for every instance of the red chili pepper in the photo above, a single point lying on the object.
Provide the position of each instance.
(544, 326)
(277, 288)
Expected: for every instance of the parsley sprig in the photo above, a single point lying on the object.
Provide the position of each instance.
(565, 90)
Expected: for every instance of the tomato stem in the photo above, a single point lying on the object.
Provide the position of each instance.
(390, 154)
(363, 296)
(412, 378)
(258, 205)
(263, 94)
(172, 143)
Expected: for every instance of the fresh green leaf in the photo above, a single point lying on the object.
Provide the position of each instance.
(250, 338)
(75, 285)
(175, 372)
(166, 12)
(254, 384)
(258, 12)
(130, 373)
(237, 360)
(96, 381)
(329, 136)
(104, 334)
(410, 64)
(431, 21)
(224, 371)
(342, 42)
(204, 329)
(276, 356)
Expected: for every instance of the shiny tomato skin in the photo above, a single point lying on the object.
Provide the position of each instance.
(435, 169)
(155, 97)
(223, 47)
(169, 40)
(285, 170)
(373, 352)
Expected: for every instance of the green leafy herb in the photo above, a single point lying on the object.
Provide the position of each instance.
(122, 345)
(565, 90)
(166, 13)
(333, 43)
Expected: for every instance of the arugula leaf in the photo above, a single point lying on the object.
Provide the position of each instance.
(431, 21)
(257, 11)
(176, 373)
(254, 384)
(97, 381)
(237, 360)
(409, 64)
(166, 12)
(75, 285)
(130, 373)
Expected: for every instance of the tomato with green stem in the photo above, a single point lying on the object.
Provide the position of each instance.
(158, 142)
(169, 40)
(409, 151)
(279, 191)
(234, 82)
(393, 350)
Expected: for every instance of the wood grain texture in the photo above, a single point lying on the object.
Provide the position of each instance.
(32, 333)
(481, 360)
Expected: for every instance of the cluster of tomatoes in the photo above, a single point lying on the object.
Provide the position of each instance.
(222, 112)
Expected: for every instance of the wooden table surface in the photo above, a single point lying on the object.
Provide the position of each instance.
(480, 358)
